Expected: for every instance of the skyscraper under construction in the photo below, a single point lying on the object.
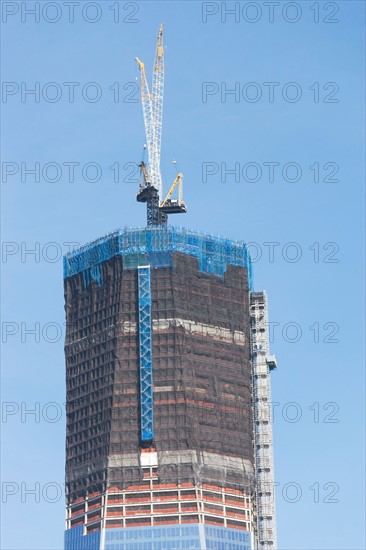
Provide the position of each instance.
(169, 441)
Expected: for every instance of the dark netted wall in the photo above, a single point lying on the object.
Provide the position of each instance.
(201, 372)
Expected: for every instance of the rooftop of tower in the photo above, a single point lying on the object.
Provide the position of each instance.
(154, 246)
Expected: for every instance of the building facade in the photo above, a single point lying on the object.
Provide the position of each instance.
(167, 374)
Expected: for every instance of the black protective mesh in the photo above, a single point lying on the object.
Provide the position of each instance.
(201, 370)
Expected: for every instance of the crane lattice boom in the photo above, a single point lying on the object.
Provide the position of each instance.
(157, 109)
(147, 110)
(152, 106)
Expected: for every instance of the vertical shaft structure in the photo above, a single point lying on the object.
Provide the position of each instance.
(145, 342)
(262, 364)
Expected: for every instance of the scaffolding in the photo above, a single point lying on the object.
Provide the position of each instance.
(154, 246)
(145, 343)
(262, 364)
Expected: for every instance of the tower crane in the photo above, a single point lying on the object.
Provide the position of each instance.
(151, 187)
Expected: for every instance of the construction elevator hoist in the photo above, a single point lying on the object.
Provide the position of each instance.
(151, 187)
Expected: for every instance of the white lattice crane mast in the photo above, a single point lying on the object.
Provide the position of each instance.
(152, 107)
(157, 108)
(148, 115)
(151, 191)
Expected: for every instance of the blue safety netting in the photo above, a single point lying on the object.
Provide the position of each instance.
(146, 358)
(154, 246)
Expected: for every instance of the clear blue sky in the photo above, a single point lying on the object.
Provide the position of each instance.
(325, 295)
